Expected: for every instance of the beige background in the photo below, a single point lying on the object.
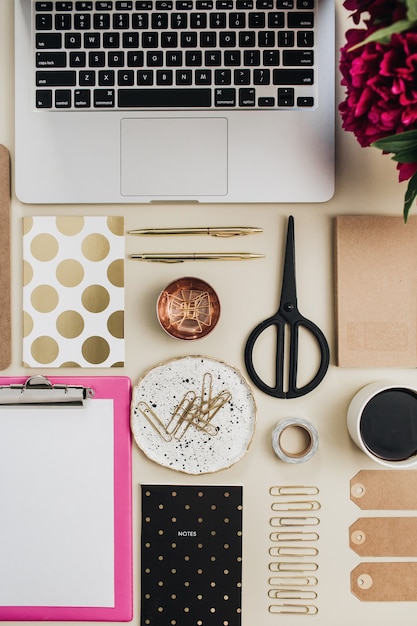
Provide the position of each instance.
(249, 292)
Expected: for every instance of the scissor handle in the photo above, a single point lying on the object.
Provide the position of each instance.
(293, 390)
(277, 390)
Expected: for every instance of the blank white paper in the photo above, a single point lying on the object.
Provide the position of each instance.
(57, 505)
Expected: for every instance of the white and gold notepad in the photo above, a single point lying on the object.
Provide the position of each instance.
(73, 291)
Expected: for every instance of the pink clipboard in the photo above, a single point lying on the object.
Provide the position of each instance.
(96, 568)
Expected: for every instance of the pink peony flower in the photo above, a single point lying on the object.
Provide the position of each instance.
(381, 86)
(380, 12)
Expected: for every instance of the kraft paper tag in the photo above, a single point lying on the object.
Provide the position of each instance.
(384, 536)
(5, 313)
(390, 490)
(385, 582)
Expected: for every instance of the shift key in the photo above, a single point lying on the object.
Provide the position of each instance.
(294, 77)
(57, 78)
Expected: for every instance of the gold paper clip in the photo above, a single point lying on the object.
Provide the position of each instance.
(294, 490)
(286, 535)
(196, 417)
(292, 594)
(287, 566)
(293, 551)
(296, 505)
(153, 420)
(287, 609)
(294, 521)
(293, 581)
(177, 425)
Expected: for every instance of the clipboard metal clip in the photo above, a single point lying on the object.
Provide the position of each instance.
(38, 390)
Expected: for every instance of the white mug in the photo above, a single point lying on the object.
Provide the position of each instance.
(380, 420)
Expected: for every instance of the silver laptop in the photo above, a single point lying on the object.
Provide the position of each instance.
(140, 101)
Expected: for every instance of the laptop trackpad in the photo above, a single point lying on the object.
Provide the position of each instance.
(173, 157)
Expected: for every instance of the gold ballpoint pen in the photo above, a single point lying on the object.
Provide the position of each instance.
(218, 231)
(173, 257)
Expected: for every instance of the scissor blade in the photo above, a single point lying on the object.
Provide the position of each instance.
(288, 292)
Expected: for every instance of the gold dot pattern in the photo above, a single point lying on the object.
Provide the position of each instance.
(45, 350)
(44, 298)
(181, 552)
(115, 273)
(70, 324)
(70, 273)
(95, 247)
(96, 350)
(27, 273)
(44, 247)
(95, 298)
(115, 324)
(70, 225)
(27, 324)
(73, 291)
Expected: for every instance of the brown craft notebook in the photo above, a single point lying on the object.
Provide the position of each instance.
(376, 280)
(5, 314)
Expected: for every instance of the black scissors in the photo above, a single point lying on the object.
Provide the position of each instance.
(288, 315)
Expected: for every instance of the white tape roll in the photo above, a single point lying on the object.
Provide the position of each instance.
(307, 440)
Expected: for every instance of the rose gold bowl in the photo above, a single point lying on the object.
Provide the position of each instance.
(188, 308)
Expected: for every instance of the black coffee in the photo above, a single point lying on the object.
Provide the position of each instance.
(388, 424)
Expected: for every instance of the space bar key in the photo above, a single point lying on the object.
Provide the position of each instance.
(132, 98)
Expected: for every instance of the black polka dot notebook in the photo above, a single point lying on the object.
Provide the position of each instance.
(191, 555)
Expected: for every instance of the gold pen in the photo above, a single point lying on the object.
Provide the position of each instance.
(172, 257)
(218, 231)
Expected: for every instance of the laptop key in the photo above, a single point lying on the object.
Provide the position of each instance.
(266, 102)
(225, 97)
(285, 97)
(48, 41)
(305, 101)
(44, 99)
(56, 78)
(51, 59)
(247, 97)
(63, 98)
(293, 77)
(104, 98)
(82, 98)
(302, 19)
(297, 57)
(150, 98)
(44, 21)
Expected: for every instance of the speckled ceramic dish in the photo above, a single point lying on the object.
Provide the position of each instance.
(193, 414)
(188, 308)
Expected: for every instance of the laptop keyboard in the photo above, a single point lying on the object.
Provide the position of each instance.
(174, 54)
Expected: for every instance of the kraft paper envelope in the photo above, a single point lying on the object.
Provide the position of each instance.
(376, 278)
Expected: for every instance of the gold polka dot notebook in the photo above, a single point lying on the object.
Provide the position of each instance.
(191, 555)
(73, 291)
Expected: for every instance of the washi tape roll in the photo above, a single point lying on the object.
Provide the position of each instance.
(295, 440)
